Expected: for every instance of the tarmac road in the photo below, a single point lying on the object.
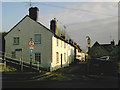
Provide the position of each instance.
(61, 84)
(24, 80)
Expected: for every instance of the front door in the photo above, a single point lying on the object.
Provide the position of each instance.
(61, 60)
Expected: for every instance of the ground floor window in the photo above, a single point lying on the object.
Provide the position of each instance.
(13, 54)
(37, 57)
(57, 57)
(65, 57)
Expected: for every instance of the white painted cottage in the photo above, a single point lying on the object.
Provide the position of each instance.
(80, 55)
(50, 51)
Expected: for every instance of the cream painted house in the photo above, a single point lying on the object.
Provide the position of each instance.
(80, 55)
(50, 51)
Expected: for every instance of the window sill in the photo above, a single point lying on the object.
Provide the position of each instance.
(13, 57)
(37, 43)
(36, 63)
(15, 44)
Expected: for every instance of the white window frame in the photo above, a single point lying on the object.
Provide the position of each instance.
(57, 42)
(38, 58)
(36, 42)
(64, 45)
(57, 57)
(16, 40)
(64, 57)
(61, 43)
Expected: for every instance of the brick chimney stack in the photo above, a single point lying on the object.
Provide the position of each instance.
(53, 25)
(33, 13)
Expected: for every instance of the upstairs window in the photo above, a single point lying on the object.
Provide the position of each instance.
(16, 40)
(57, 42)
(61, 44)
(64, 45)
(37, 38)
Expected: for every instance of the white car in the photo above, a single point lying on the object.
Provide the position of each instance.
(104, 58)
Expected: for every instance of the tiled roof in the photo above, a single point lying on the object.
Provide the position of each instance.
(98, 50)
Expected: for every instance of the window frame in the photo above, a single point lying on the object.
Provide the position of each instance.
(65, 57)
(36, 40)
(16, 40)
(57, 42)
(61, 43)
(64, 45)
(38, 58)
(57, 57)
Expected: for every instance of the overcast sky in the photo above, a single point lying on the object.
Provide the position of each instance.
(96, 19)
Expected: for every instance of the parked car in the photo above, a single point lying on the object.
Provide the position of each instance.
(104, 58)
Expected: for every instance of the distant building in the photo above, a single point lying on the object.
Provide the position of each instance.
(80, 54)
(50, 51)
(116, 50)
(104, 59)
(99, 50)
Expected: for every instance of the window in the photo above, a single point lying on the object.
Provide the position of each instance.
(64, 45)
(37, 38)
(57, 42)
(37, 57)
(61, 43)
(16, 40)
(13, 54)
(57, 57)
(65, 57)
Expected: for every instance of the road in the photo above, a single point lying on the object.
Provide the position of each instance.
(25, 82)
(60, 84)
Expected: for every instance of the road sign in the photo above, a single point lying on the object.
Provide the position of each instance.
(31, 47)
(18, 49)
(31, 51)
(31, 43)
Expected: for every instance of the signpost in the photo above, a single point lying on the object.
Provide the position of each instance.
(31, 51)
(18, 49)
(31, 43)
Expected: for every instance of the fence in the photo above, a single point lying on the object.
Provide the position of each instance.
(17, 61)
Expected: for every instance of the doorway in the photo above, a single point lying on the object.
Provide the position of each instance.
(61, 60)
